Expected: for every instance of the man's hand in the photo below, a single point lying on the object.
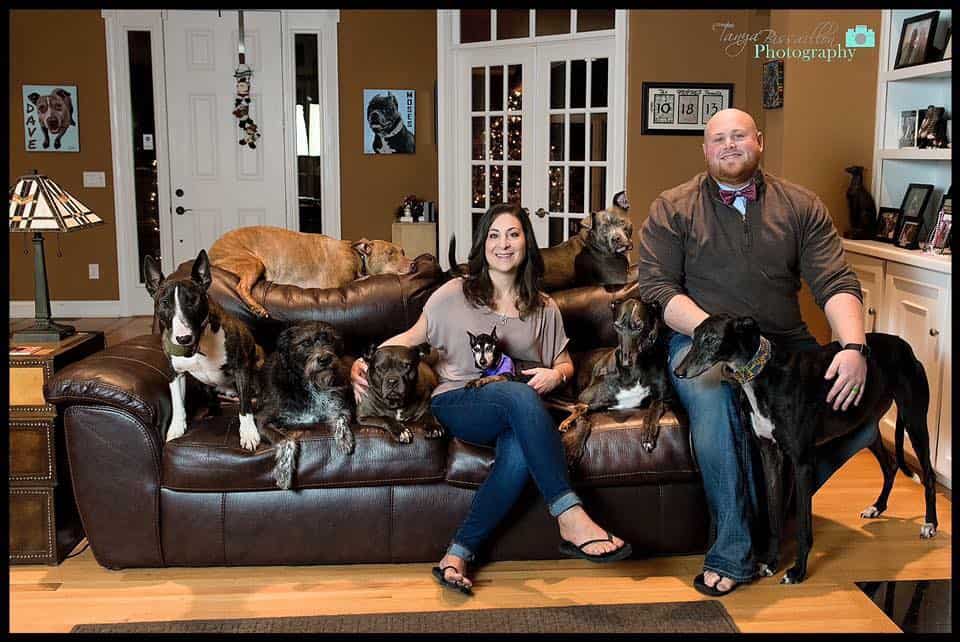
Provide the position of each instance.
(850, 369)
(544, 379)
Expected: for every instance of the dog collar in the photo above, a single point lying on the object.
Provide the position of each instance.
(363, 262)
(395, 130)
(175, 349)
(752, 368)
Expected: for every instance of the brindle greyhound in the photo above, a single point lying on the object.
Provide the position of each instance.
(631, 375)
(781, 396)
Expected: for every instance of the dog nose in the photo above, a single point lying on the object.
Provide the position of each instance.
(324, 360)
(185, 339)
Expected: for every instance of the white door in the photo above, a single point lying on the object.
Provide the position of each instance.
(216, 183)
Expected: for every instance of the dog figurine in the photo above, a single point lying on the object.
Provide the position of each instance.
(863, 209)
(781, 397)
(202, 340)
(399, 390)
(493, 363)
(632, 375)
(305, 382)
(301, 259)
(391, 136)
(56, 114)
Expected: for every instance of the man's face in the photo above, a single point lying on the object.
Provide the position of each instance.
(732, 147)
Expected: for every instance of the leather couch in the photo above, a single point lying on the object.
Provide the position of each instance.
(201, 500)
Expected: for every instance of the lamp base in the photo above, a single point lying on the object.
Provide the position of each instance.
(42, 331)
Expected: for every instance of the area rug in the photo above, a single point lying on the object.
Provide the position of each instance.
(666, 617)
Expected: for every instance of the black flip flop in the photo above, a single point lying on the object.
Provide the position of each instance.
(571, 550)
(701, 585)
(440, 575)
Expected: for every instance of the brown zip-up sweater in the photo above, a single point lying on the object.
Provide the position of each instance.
(744, 265)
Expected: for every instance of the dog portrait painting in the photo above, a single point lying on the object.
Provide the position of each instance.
(51, 118)
(390, 119)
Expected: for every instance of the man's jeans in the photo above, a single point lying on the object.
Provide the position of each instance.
(511, 416)
(729, 463)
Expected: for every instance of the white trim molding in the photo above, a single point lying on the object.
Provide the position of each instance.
(71, 309)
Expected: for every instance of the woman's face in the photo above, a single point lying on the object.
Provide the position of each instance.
(506, 245)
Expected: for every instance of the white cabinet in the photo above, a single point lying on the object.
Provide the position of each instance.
(909, 293)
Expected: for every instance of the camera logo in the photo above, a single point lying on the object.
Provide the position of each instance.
(861, 36)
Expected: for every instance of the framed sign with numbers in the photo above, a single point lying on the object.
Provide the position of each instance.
(682, 109)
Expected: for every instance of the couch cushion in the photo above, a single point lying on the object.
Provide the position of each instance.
(613, 455)
(209, 458)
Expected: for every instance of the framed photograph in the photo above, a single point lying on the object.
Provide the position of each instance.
(914, 204)
(887, 219)
(909, 232)
(772, 84)
(51, 117)
(682, 109)
(908, 128)
(389, 121)
(948, 48)
(939, 237)
(916, 39)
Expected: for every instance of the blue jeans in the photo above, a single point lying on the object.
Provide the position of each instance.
(509, 415)
(729, 463)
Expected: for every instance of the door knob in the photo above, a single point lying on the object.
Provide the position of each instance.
(541, 212)
(179, 192)
(934, 332)
(871, 311)
(180, 210)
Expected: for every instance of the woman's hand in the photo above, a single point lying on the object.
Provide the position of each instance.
(358, 378)
(544, 379)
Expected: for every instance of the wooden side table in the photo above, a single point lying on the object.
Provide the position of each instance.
(44, 524)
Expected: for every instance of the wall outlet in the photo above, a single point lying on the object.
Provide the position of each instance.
(94, 269)
(94, 179)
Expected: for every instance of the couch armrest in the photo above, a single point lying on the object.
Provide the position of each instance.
(133, 376)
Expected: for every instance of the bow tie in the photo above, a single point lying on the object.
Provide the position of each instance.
(749, 192)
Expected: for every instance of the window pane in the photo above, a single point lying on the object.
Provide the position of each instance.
(556, 231)
(513, 23)
(598, 137)
(578, 132)
(556, 137)
(513, 183)
(476, 91)
(496, 184)
(309, 166)
(476, 222)
(576, 190)
(496, 88)
(515, 87)
(514, 137)
(474, 25)
(552, 21)
(556, 189)
(598, 188)
(573, 226)
(479, 139)
(144, 155)
(479, 187)
(578, 83)
(496, 138)
(599, 82)
(558, 84)
(594, 19)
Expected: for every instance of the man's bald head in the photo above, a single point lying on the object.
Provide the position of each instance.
(732, 146)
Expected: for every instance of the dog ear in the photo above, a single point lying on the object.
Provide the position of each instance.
(201, 270)
(369, 353)
(745, 324)
(363, 246)
(493, 334)
(423, 350)
(620, 200)
(152, 275)
(63, 93)
(473, 337)
(34, 97)
(586, 223)
(393, 99)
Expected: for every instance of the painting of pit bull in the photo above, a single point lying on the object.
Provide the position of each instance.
(391, 123)
(50, 112)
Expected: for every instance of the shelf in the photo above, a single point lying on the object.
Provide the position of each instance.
(913, 153)
(939, 69)
(890, 252)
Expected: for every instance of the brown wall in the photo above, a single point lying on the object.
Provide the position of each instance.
(79, 58)
(385, 50)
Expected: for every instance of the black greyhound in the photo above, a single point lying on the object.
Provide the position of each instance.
(782, 397)
(632, 375)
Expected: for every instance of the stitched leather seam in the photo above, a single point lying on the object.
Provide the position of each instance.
(139, 362)
(390, 525)
(347, 484)
(56, 398)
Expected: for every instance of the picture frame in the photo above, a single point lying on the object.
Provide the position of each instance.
(907, 237)
(915, 200)
(51, 118)
(948, 48)
(772, 84)
(916, 40)
(938, 238)
(908, 128)
(389, 121)
(888, 219)
(680, 108)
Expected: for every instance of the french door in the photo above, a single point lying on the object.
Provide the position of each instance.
(534, 125)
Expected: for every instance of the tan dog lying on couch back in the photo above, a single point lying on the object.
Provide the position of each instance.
(304, 260)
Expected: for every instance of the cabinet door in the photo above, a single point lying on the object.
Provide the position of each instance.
(944, 461)
(915, 308)
(870, 273)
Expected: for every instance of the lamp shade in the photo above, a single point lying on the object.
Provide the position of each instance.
(37, 204)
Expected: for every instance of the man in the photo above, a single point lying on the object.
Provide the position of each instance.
(737, 240)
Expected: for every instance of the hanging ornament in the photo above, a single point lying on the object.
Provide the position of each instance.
(243, 75)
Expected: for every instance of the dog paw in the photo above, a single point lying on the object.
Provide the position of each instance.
(346, 442)
(285, 462)
(793, 576)
(766, 570)
(928, 531)
(870, 512)
(178, 426)
(433, 433)
(472, 384)
(405, 436)
(649, 446)
(249, 435)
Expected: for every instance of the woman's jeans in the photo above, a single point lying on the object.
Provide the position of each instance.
(729, 463)
(511, 416)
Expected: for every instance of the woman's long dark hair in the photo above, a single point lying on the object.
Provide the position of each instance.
(477, 286)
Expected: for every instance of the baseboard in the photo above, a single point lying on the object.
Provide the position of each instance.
(68, 309)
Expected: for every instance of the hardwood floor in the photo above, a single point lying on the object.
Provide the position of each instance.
(846, 549)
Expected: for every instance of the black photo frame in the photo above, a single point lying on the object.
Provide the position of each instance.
(888, 221)
(915, 200)
(672, 100)
(916, 40)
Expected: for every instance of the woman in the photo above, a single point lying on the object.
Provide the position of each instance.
(501, 290)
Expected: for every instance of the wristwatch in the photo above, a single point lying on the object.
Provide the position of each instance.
(862, 348)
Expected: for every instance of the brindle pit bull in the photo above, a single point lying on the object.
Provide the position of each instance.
(304, 260)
